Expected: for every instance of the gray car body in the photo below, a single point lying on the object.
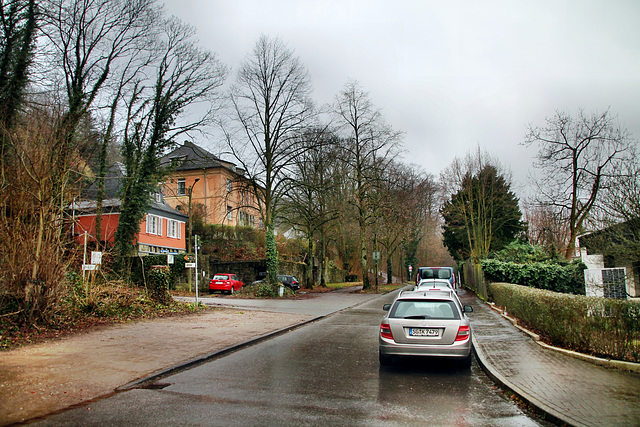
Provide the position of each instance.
(443, 345)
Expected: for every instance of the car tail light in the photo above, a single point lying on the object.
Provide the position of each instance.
(463, 333)
(385, 331)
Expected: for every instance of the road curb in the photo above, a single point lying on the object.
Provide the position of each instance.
(548, 413)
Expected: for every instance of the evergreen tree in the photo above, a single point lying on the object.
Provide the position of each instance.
(483, 216)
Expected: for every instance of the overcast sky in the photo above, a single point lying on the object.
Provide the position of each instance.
(450, 74)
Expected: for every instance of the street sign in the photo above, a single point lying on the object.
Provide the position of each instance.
(376, 255)
(190, 265)
(169, 259)
(86, 267)
(96, 257)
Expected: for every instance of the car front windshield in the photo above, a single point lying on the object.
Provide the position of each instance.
(424, 309)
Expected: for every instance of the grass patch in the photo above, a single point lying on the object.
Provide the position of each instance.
(105, 304)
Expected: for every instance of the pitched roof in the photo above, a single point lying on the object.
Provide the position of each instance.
(189, 157)
(112, 184)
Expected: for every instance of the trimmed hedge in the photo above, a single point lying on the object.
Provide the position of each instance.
(550, 276)
(600, 326)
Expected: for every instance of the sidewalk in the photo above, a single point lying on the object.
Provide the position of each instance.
(566, 389)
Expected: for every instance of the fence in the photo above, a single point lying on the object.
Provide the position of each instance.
(474, 279)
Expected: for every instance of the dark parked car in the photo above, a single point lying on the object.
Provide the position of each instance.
(428, 273)
(289, 281)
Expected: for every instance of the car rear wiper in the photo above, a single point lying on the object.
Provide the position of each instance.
(418, 316)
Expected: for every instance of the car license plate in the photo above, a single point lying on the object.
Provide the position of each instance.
(424, 332)
(219, 283)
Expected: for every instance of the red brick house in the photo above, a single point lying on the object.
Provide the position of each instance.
(162, 229)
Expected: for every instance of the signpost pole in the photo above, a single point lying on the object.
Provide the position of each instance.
(196, 248)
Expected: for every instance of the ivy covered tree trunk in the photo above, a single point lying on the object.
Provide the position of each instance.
(272, 255)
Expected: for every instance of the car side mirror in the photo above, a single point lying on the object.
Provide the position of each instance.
(386, 307)
(468, 309)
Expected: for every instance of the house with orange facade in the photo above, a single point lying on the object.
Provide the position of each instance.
(219, 190)
(162, 230)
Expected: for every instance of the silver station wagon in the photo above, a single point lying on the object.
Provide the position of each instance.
(426, 323)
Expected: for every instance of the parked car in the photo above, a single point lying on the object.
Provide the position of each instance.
(225, 282)
(437, 285)
(447, 273)
(430, 324)
(442, 284)
(289, 281)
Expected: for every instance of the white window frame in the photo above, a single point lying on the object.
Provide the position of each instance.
(184, 187)
(174, 228)
(154, 225)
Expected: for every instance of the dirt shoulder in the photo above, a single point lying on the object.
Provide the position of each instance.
(42, 378)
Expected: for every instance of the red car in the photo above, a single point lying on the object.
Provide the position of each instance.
(225, 283)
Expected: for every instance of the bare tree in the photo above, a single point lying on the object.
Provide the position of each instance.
(33, 247)
(306, 205)
(545, 227)
(406, 204)
(619, 219)
(18, 32)
(185, 76)
(577, 157)
(272, 106)
(89, 40)
(370, 145)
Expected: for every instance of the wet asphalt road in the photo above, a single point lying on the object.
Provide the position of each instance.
(326, 373)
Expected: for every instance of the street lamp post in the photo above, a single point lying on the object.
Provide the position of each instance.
(190, 248)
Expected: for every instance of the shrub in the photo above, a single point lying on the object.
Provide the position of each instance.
(142, 267)
(158, 287)
(600, 326)
(264, 290)
(543, 275)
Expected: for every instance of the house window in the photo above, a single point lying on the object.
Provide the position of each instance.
(246, 220)
(173, 228)
(154, 225)
(182, 189)
(229, 213)
(229, 186)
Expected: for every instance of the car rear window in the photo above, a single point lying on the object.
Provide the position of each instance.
(221, 277)
(425, 309)
(435, 273)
